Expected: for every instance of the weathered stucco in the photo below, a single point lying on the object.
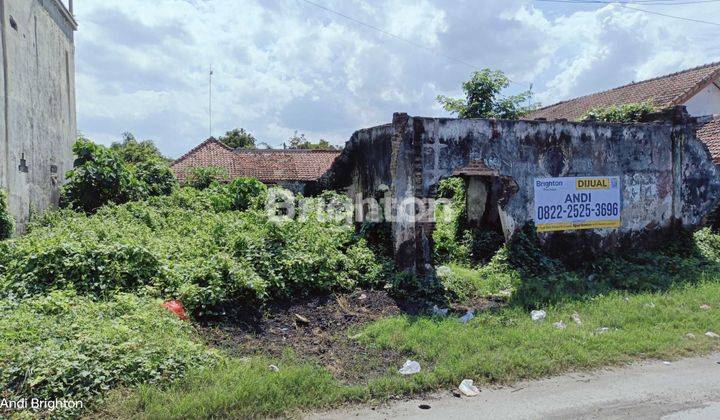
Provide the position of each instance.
(37, 116)
(667, 177)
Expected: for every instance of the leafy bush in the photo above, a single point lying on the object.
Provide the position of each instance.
(451, 245)
(455, 241)
(63, 346)
(496, 278)
(620, 114)
(99, 177)
(89, 267)
(189, 245)
(202, 178)
(156, 178)
(247, 193)
(7, 223)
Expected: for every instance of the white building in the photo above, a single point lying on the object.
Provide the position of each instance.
(37, 89)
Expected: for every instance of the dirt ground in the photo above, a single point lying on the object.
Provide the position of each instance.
(325, 330)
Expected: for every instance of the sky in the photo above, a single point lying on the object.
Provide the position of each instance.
(326, 68)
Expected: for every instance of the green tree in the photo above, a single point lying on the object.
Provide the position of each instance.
(133, 151)
(238, 137)
(299, 141)
(146, 162)
(7, 223)
(484, 99)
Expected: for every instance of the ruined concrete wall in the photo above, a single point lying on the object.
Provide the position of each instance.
(666, 174)
(38, 103)
(364, 165)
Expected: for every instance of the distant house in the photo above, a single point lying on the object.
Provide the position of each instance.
(698, 89)
(295, 169)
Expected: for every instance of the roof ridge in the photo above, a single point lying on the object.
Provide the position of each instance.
(209, 140)
(710, 78)
(714, 63)
(289, 151)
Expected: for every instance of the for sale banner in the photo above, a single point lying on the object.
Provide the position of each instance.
(572, 203)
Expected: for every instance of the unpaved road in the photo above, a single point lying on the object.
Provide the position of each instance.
(683, 389)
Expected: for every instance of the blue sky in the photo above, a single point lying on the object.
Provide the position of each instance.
(282, 66)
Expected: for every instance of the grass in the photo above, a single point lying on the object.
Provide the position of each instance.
(236, 388)
(492, 348)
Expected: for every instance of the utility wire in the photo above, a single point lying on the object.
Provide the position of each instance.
(625, 5)
(399, 38)
(636, 2)
(671, 16)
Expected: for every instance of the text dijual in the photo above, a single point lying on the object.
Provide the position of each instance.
(38, 404)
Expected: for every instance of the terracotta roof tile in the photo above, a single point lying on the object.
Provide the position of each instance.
(710, 135)
(268, 166)
(663, 92)
(475, 168)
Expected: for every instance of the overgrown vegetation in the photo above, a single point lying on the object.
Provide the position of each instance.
(7, 223)
(81, 294)
(620, 114)
(494, 347)
(204, 177)
(101, 176)
(68, 347)
(210, 249)
(455, 240)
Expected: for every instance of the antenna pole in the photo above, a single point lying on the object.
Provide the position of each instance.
(210, 99)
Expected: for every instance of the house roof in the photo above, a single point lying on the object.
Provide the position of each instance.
(267, 165)
(662, 92)
(710, 135)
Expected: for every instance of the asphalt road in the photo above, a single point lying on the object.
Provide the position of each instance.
(683, 389)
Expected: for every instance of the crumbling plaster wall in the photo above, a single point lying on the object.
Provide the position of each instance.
(667, 176)
(38, 123)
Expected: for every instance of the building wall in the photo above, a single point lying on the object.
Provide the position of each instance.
(38, 103)
(705, 102)
(666, 174)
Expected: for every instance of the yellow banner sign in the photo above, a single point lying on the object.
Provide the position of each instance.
(592, 183)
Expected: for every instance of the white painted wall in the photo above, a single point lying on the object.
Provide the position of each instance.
(38, 102)
(705, 102)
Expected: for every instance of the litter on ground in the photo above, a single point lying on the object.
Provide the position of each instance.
(468, 389)
(538, 315)
(437, 311)
(470, 314)
(410, 367)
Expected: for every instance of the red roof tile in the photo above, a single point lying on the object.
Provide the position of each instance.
(663, 92)
(710, 135)
(268, 166)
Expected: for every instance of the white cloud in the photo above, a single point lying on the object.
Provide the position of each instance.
(285, 65)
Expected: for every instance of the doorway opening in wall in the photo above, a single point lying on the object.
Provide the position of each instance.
(468, 231)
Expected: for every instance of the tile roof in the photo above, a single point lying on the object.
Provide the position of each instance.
(663, 92)
(710, 135)
(268, 166)
(475, 168)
